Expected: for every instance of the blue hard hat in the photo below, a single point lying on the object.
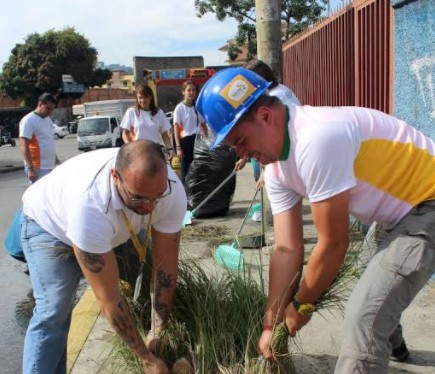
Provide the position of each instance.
(226, 96)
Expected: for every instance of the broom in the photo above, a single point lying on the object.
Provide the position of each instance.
(227, 255)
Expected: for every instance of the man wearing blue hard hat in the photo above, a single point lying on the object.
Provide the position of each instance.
(345, 160)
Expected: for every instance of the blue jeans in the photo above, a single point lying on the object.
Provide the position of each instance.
(256, 166)
(55, 276)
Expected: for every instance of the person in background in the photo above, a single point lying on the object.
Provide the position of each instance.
(37, 139)
(187, 124)
(146, 121)
(72, 219)
(346, 160)
(285, 94)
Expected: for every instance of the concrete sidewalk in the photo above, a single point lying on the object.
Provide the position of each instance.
(91, 338)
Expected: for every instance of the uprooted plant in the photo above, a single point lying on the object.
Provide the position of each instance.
(216, 320)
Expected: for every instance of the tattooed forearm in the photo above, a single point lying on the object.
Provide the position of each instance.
(160, 311)
(123, 323)
(92, 261)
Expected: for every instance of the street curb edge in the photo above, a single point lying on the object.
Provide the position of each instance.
(83, 319)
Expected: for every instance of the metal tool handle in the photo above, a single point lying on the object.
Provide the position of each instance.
(214, 191)
(262, 213)
(247, 213)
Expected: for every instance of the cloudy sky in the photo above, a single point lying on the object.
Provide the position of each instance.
(120, 30)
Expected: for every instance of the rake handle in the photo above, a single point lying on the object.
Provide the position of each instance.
(247, 213)
(213, 192)
(262, 212)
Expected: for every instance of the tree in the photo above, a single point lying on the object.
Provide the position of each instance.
(37, 65)
(297, 15)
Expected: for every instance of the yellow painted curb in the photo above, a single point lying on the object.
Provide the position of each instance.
(83, 319)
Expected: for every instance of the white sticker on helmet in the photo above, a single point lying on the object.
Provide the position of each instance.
(237, 90)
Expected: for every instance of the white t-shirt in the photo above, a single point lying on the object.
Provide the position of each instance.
(41, 135)
(388, 166)
(78, 203)
(285, 94)
(188, 119)
(145, 126)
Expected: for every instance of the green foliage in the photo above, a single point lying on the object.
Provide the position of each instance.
(37, 65)
(215, 325)
(296, 14)
(216, 320)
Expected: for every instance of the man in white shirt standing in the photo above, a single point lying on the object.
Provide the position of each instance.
(37, 139)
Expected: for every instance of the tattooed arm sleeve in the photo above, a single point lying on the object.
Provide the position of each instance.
(101, 271)
(165, 268)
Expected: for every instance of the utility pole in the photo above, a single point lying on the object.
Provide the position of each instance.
(269, 44)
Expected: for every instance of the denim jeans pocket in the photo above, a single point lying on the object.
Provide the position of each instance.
(30, 228)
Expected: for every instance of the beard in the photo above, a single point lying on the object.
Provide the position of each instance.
(140, 210)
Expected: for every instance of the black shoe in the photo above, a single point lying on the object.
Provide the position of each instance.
(400, 353)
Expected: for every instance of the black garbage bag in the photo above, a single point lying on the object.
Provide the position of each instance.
(207, 170)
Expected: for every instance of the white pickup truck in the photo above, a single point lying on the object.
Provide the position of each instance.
(98, 132)
(100, 126)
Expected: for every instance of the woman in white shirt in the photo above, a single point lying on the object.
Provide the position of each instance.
(146, 121)
(187, 123)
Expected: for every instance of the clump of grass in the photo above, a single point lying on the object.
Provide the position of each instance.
(222, 316)
(216, 324)
(351, 269)
(216, 320)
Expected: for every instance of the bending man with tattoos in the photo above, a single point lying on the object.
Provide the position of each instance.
(86, 206)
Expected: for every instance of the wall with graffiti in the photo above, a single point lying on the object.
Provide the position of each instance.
(414, 63)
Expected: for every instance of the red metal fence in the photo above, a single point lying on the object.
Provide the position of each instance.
(345, 59)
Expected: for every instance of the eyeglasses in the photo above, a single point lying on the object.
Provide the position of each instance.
(137, 201)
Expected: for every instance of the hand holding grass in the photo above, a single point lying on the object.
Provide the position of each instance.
(294, 320)
(155, 366)
(151, 341)
(265, 345)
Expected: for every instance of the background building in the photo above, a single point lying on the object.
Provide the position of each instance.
(168, 74)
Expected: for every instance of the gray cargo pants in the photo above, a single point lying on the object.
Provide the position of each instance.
(404, 261)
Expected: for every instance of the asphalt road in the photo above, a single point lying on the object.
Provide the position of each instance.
(16, 307)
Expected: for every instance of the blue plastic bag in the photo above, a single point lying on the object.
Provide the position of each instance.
(12, 240)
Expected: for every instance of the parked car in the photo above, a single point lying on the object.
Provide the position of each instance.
(59, 131)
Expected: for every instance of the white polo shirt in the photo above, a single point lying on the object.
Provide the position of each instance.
(40, 133)
(285, 94)
(188, 119)
(79, 203)
(388, 166)
(143, 125)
